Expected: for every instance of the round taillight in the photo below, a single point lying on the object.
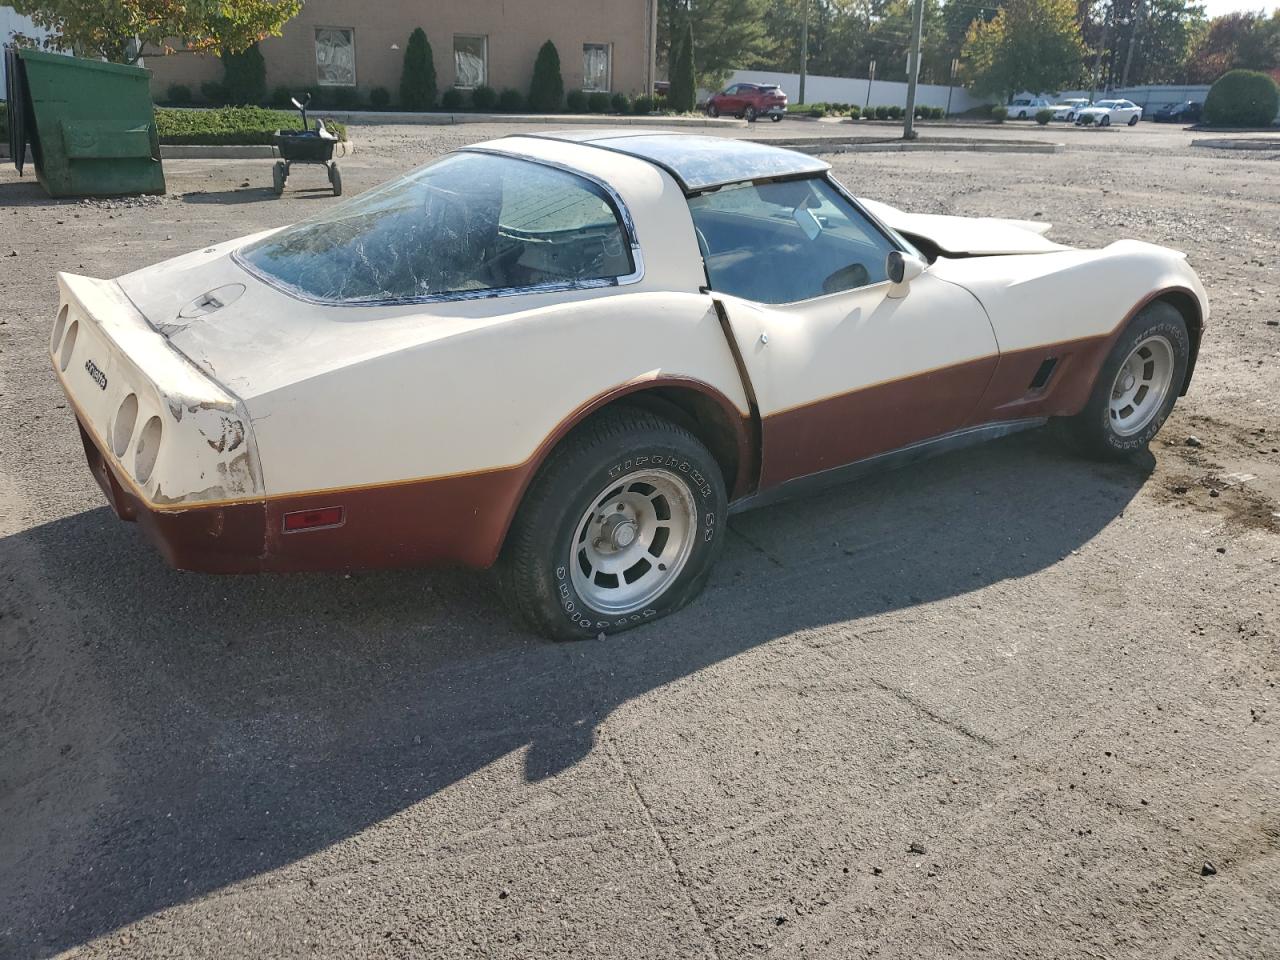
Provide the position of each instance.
(59, 327)
(122, 429)
(68, 345)
(144, 459)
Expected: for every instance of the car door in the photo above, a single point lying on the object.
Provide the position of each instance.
(731, 102)
(843, 363)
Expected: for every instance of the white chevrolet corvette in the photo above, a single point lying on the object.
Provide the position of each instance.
(576, 354)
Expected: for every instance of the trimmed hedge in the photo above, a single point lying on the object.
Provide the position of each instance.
(598, 102)
(230, 125)
(484, 98)
(452, 99)
(510, 100)
(999, 114)
(855, 112)
(643, 105)
(1043, 117)
(244, 76)
(379, 98)
(546, 92)
(621, 103)
(576, 101)
(1242, 98)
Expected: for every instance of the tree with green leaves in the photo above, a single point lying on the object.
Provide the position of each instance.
(730, 35)
(1029, 45)
(122, 31)
(546, 92)
(418, 75)
(684, 93)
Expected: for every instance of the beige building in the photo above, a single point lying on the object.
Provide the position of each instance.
(604, 45)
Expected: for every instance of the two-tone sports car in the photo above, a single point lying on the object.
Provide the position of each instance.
(576, 354)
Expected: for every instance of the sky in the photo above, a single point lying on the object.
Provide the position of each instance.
(1216, 8)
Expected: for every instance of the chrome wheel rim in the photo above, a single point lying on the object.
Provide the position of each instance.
(1141, 385)
(633, 541)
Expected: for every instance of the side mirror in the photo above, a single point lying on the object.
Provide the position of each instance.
(902, 268)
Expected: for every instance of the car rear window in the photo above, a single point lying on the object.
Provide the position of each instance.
(472, 224)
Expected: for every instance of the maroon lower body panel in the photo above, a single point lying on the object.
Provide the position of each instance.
(459, 520)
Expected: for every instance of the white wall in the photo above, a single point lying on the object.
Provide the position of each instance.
(11, 23)
(851, 90)
(1149, 98)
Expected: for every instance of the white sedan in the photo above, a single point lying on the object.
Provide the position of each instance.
(1067, 109)
(1106, 112)
(573, 355)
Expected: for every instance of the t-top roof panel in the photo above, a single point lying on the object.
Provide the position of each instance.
(700, 162)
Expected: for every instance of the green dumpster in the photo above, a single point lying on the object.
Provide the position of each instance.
(90, 124)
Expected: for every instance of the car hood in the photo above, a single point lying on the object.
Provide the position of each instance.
(968, 236)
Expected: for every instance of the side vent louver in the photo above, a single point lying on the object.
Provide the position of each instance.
(1043, 374)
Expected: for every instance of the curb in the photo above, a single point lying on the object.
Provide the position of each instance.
(248, 151)
(1250, 143)
(847, 145)
(551, 119)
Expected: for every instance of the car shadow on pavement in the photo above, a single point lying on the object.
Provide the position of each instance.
(249, 722)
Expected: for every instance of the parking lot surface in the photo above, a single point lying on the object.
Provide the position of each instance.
(1004, 703)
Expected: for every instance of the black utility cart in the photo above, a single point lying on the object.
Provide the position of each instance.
(305, 146)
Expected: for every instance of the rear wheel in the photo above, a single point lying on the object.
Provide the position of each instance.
(335, 178)
(776, 117)
(1136, 387)
(712, 111)
(620, 527)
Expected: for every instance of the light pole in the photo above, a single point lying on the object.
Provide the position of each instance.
(804, 48)
(955, 65)
(913, 73)
(870, 80)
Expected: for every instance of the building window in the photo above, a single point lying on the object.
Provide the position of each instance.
(595, 67)
(335, 57)
(470, 61)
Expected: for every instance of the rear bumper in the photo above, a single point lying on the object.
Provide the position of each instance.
(445, 521)
(223, 539)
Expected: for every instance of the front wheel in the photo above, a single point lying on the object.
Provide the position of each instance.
(620, 527)
(1136, 388)
(1133, 121)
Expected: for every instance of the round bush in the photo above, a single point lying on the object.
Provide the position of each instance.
(881, 112)
(816, 111)
(1086, 120)
(379, 98)
(344, 97)
(214, 92)
(621, 103)
(576, 101)
(999, 113)
(643, 105)
(1043, 117)
(451, 99)
(897, 113)
(855, 112)
(1242, 98)
(510, 101)
(484, 98)
(598, 102)
(179, 94)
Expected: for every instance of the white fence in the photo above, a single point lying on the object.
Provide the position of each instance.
(851, 90)
(1149, 98)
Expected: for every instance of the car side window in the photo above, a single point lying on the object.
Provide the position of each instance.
(781, 242)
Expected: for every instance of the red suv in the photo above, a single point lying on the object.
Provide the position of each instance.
(749, 100)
